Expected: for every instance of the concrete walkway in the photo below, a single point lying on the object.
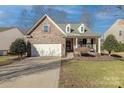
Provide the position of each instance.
(31, 73)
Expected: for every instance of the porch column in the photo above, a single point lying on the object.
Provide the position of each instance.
(99, 45)
(76, 43)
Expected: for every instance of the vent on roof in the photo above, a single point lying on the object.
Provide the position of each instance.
(81, 28)
(68, 28)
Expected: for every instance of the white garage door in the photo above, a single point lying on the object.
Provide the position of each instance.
(3, 52)
(46, 50)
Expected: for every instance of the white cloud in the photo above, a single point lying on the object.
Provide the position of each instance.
(109, 13)
(26, 7)
(103, 15)
(3, 14)
(70, 9)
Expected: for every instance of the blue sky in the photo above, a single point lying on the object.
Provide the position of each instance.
(103, 16)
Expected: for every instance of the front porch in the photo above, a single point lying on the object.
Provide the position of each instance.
(83, 44)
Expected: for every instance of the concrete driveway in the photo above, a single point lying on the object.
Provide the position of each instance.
(32, 72)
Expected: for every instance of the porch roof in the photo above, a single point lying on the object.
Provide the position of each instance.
(75, 32)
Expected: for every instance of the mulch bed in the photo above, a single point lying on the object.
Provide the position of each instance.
(98, 58)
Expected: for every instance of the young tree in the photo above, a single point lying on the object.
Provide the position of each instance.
(110, 44)
(18, 47)
(28, 49)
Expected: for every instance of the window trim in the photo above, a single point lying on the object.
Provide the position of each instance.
(120, 33)
(46, 25)
(80, 28)
(68, 28)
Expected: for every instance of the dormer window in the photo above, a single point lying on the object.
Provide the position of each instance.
(120, 33)
(68, 28)
(81, 28)
(46, 27)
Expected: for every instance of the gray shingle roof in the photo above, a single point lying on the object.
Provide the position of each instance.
(75, 31)
(5, 28)
(8, 36)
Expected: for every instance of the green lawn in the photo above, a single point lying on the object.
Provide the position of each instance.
(4, 60)
(92, 74)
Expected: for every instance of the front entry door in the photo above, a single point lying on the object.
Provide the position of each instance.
(69, 45)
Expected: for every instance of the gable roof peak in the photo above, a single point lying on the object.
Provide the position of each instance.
(120, 20)
(36, 24)
(81, 24)
(68, 25)
(45, 15)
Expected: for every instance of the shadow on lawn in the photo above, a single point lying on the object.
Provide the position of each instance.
(118, 57)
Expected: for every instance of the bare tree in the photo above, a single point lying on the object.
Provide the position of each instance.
(64, 17)
(28, 18)
(57, 15)
(38, 11)
(86, 17)
(23, 21)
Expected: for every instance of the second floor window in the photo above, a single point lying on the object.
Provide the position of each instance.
(120, 33)
(82, 29)
(68, 29)
(46, 27)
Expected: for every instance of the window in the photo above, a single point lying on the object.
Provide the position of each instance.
(82, 29)
(88, 40)
(68, 29)
(46, 27)
(83, 42)
(120, 33)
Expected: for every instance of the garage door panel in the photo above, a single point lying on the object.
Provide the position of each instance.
(3, 52)
(46, 50)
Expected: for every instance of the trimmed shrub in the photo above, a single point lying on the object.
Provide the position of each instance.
(28, 49)
(18, 47)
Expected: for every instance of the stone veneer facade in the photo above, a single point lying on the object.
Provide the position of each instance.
(54, 36)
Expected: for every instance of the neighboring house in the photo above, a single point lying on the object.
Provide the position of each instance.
(117, 29)
(7, 36)
(51, 39)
